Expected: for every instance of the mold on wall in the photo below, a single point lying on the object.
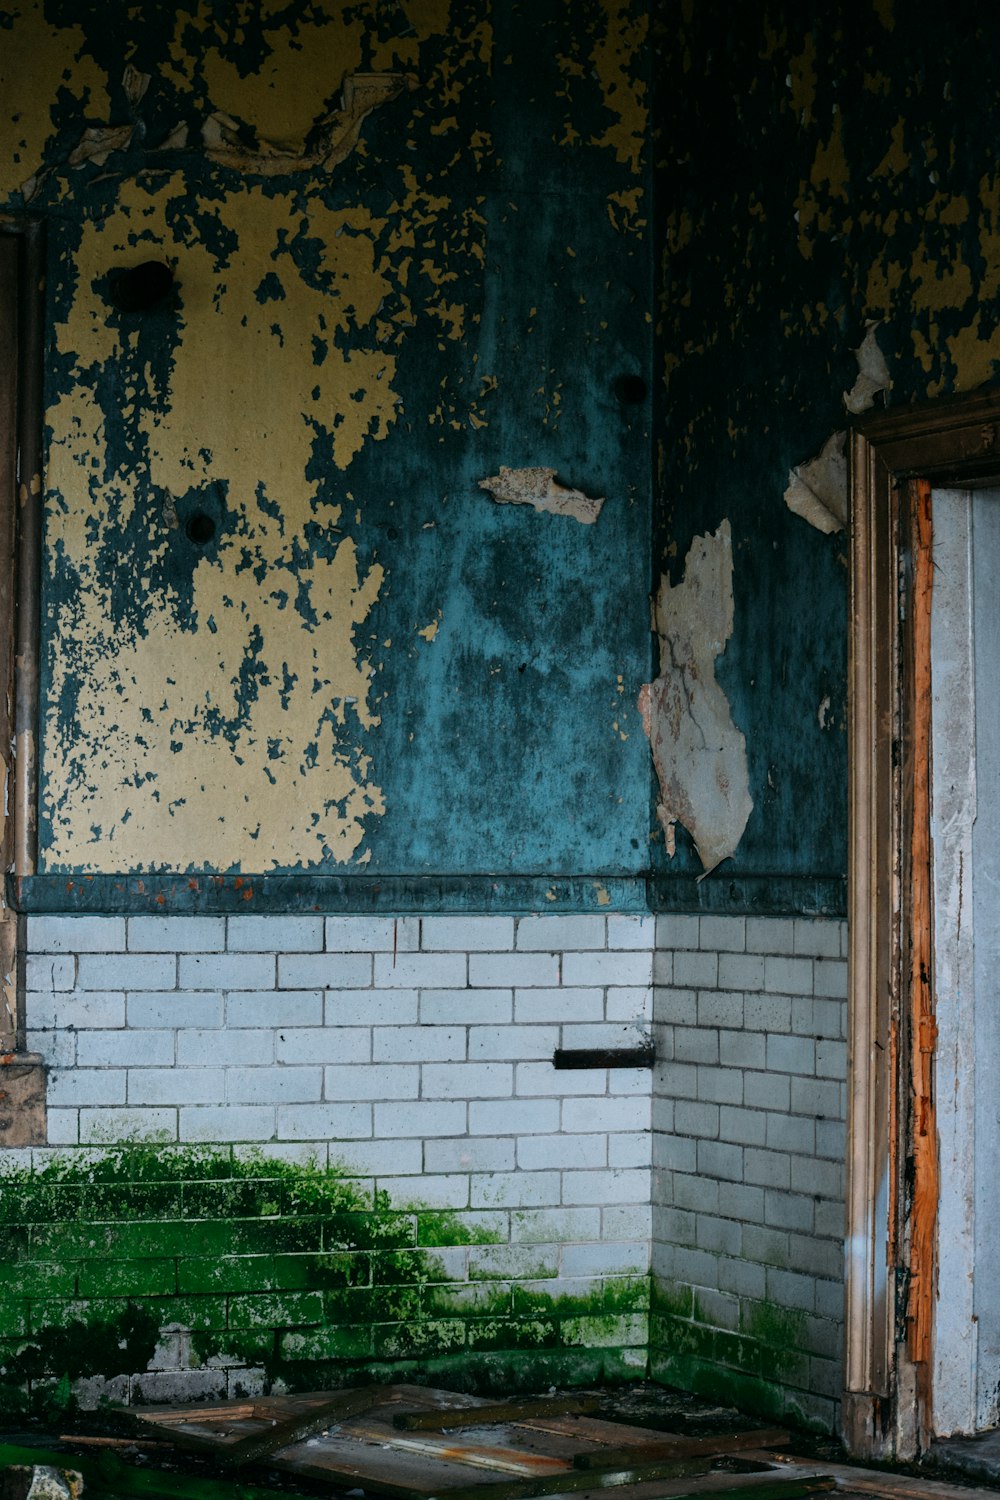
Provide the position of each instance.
(261, 490)
(821, 171)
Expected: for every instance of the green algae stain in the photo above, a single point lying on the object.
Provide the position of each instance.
(145, 1258)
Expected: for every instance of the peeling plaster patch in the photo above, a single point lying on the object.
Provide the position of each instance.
(540, 488)
(817, 490)
(822, 713)
(873, 374)
(57, 62)
(699, 754)
(338, 132)
(430, 631)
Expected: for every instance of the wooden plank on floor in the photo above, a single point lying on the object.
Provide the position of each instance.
(679, 1447)
(499, 1412)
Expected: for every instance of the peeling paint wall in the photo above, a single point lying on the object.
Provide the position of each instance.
(829, 176)
(386, 227)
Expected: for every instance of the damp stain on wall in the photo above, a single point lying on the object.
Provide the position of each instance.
(258, 489)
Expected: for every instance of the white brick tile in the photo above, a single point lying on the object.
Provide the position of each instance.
(535, 1153)
(696, 971)
(418, 1043)
(225, 1049)
(63, 1126)
(385, 1081)
(720, 1085)
(49, 975)
(372, 934)
(384, 1158)
(816, 1096)
(603, 1034)
(629, 1003)
(512, 1043)
(534, 970)
(558, 1005)
(791, 1133)
(627, 1221)
(542, 1078)
(332, 1122)
(467, 1080)
(620, 1185)
(121, 1048)
(696, 1044)
(817, 937)
(746, 1127)
(629, 1081)
(176, 934)
(742, 1049)
(722, 934)
(176, 1085)
(770, 935)
(540, 934)
(275, 934)
(419, 970)
(225, 971)
(630, 1148)
(829, 1018)
(605, 1114)
(788, 976)
(542, 1226)
(767, 1012)
(324, 1044)
(122, 971)
(371, 1007)
(617, 968)
(514, 1117)
(81, 1010)
(308, 971)
(273, 1085)
(108, 1126)
(741, 971)
(766, 1168)
(663, 967)
(170, 1008)
(831, 979)
(675, 932)
(605, 1260)
(791, 1054)
(680, 1006)
(767, 1091)
(421, 1118)
(696, 1117)
(636, 932)
(676, 1080)
(222, 1122)
(79, 1086)
(57, 934)
(57, 1048)
(514, 1190)
(466, 934)
(720, 1008)
(270, 1007)
(466, 1007)
(467, 1154)
(720, 1159)
(831, 1059)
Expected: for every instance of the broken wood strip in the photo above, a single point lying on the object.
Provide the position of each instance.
(299, 1426)
(223, 1412)
(503, 1411)
(681, 1447)
(604, 1479)
(596, 1430)
(875, 1481)
(501, 1460)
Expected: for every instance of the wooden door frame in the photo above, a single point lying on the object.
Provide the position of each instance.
(892, 1144)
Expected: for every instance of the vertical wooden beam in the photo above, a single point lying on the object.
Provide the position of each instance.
(919, 954)
(9, 345)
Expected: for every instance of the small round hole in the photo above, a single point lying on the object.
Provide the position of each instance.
(200, 528)
(630, 389)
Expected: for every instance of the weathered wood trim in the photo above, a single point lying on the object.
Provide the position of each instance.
(9, 276)
(891, 1031)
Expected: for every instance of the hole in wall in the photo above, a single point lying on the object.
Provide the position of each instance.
(200, 529)
(630, 390)
(140, 287)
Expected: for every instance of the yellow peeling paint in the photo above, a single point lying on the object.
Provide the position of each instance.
(430, 631)
(615, 59)
(37, 61)
(144, 770)
(896, 159)
(803, 81)
(884, 10)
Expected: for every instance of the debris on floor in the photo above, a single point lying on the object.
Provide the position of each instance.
(408, 1442)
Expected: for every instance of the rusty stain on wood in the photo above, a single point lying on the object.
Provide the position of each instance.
(919, 956)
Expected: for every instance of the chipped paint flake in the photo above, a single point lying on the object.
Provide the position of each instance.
(699, 754)
(817, 490)
(540, 488)
(873, 373)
